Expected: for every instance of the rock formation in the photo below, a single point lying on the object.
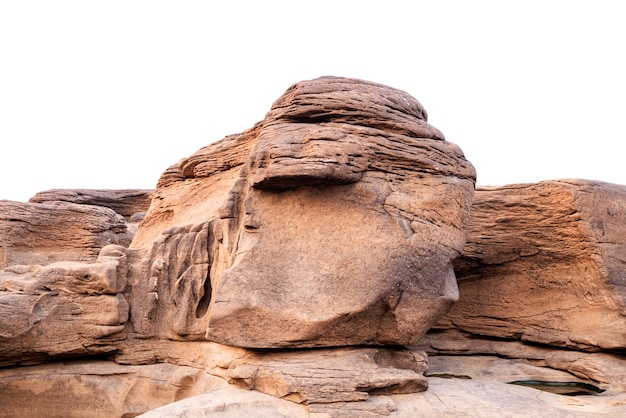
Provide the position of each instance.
(309, 229)
(40, 234)
(544, 263)
(128, 203)
(64, 273)
(295, 269)
(64, 308)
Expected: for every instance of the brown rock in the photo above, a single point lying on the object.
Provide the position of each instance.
(477, 398)
(314, 224)
(42, 233)
(608, 371)
(126, 202)
(62, 309)
(544, 263)
(445, 398)
(230, 402)
(96, 389)
(331, 375)
(339, 381)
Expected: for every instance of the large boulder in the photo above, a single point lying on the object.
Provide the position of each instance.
(332, 222)
(544, 263)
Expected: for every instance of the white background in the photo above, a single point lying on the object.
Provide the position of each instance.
(108, 94)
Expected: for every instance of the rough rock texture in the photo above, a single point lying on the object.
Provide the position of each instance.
(342, 377)
(125, 202)
(309, 229)
(606, 370)
(42, 233)
(332, 223)
(63, 309)
(230, 402)
(330, 376)
(97, 389)
(445, 398)
(546, 263)
(488, 398)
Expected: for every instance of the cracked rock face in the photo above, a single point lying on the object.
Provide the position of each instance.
(332, 222)
(544, 263)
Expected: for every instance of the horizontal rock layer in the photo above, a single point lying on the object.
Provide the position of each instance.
(64, 309)
(125, 202)
(545, 263)
(42, 233)
(324, 203)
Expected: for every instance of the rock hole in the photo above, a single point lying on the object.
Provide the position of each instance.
(203, 303)
(561, 388)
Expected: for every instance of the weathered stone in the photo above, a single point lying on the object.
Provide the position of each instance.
(485, 398)
(42, 233)
(96, 389)
(230, 402)
(337, 375)
(126, 202)
(607, 370)
(62, 309)
(331, 375)
(332, 222)
(545, 263)
(314, 223)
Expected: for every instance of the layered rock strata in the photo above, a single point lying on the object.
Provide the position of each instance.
(126, 202)
(309, 230)
(331, 223)
(307, 250)
(43, 233)
(544, 263)
(63, 309)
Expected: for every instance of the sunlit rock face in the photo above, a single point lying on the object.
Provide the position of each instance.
(544, 263)
(332, 222)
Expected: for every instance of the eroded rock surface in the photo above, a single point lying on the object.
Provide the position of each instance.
(545, 263)
(63, 309)
(278, 271)
(606, 370)
(126, 202)
(314, 223)
(43, 233)
(97, 389)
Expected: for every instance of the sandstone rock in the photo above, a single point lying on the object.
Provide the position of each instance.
(127, 202)
(484, 398)
(545, 263)
(331, 376)
(445, 397)
(478, 372)
(333, 222)
(314, 224)
(96, 389)
(62, 309)
(345, 377)
(606, 370)
(230, 402)
(42, 233)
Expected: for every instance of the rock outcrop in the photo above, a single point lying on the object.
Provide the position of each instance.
(98, 388)
(63, 309)
(294, 270)
(545, 263)
(309, 229)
